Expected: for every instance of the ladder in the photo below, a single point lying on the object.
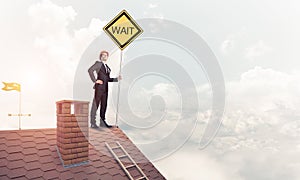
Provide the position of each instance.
(125, 168)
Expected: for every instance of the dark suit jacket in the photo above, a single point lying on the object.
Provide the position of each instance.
(101, 75)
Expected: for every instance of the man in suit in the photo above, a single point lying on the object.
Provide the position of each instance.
(101, 88)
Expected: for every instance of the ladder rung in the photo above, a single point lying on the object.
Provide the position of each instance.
(143, 177)
(116, 147)
(130, 166)
(122, 156)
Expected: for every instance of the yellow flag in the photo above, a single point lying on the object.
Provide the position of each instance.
(11, 86)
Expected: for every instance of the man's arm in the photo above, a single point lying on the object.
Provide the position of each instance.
(115, 79)
(94, 67)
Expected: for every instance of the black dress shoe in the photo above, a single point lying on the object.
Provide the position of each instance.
(94, 126)
(104, 124)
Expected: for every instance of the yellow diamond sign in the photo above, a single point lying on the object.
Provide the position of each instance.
(123, 29)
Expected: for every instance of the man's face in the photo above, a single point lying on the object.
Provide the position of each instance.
(104, 57)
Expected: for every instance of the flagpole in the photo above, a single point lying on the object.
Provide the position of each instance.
(20, 110)
(119, 85)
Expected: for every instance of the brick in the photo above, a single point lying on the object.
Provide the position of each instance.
(73, 151)
(64, 130)
(64, 140)
(74, 119)
(80, 119)
(85, 111)
(69, 146)
(77, 129)
(66, 111)
(75, 161)
(80, 134)
(83, 154)
(78, 139)
(65, 151)
(78, 160)
(67, 162)
(68, 135)
(67, 124)
(85, 106)
(68, 156)
(79, 150)
(82, 124)
(66, 105)
(84, 132)
(59, 118)
(65, 119)
(83, 144)
(65, 115)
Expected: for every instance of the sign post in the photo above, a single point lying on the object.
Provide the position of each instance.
(122, 30)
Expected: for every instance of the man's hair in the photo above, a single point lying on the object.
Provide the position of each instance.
(103, 52)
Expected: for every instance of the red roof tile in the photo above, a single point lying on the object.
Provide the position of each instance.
(19, 172)
(15, 164)
(32, 165)
(36, 173)
(3, 163)
(28, 151)
(3, 170)
(30, 154)
(4, 178)
(14, 149)
(15, 156)
(51, 174)
(12, 136)
(31, 158)
(28, 145)
(2, 140)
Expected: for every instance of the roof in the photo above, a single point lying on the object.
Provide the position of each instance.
(29, 154)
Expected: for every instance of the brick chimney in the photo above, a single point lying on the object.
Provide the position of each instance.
(72, 132)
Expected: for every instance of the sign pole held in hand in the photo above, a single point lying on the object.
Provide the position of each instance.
(122, 30)
(119, 86)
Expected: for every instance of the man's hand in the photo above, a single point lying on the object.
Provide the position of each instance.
(119, 77)
(99, 82)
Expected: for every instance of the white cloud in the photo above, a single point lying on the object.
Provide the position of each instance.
(192, 164)
(50, 19)
(291, 129)
(259, 104)
(55, 43)
(260, 127)
(256, 50)
(261, 89)
(233, 42)
(227, 46)
(241, 44)
(170, 93)
(157, 15)
(139, 96)
(47, 75)
(152, 11)
(151, 5)
(262, 100)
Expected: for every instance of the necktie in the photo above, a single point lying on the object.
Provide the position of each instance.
(105, 68)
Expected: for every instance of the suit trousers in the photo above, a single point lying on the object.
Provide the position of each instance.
(100, 98)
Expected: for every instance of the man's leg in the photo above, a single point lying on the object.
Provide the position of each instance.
(103, 110)
(103, 105)
(94, 109)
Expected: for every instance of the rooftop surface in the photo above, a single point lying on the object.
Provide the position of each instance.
(31, 154)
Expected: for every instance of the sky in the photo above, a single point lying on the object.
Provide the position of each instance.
(166, 106)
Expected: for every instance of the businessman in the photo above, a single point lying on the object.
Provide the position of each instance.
(101, 88)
